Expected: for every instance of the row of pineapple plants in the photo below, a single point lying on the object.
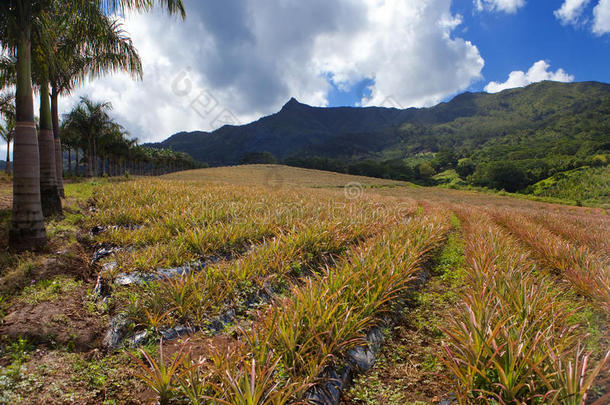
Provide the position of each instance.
(290, 237)
(294, 338)
(514, 340)
(585, 268)
(165, 224)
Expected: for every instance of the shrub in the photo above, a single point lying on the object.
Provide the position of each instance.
(255, 158)
(465, 168)
(501, 176)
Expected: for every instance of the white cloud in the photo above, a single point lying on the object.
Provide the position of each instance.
(601, 14)
(507, 6)
(250, 57)
(537, 73)
(408, 50)
(571, 10)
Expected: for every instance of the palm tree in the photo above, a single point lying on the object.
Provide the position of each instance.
(27, 225)
(115, 149)
(49, 193)
(72, 48)
(7, 131)
(81, 49)
(90, 121)
(16, 21)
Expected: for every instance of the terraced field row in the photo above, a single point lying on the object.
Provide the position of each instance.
(306, 274)
(252, 293)
(520, 335)
(329, 268)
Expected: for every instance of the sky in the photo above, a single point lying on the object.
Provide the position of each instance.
(234, 61)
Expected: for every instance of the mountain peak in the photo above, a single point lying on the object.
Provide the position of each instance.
(356, 134)
(293, 102)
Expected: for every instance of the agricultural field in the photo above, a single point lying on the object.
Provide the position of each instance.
(5, 191)
(266, 284)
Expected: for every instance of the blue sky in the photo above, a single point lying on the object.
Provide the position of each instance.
(234, 61)
(515, 41)
(511, 42)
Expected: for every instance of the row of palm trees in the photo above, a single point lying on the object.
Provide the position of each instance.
(107, 149)
(7, 128)
(104, 147)
(55, 45)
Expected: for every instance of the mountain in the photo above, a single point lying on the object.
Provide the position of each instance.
(470, 120)
(297, 128)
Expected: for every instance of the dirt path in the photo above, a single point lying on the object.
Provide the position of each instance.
(408, 370)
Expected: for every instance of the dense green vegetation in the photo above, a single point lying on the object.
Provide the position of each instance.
(510, 140)
(257, 158)
(583, 185)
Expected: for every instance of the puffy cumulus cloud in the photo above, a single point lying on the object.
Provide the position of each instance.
(412, 56)
(570, 11)
(235, 60)
(507, 6)
(601, 14)
(537, 73)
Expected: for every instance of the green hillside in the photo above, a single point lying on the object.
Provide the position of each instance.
(585, 185)
(509, 140)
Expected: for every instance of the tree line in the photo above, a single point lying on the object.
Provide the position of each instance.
(395, 169)
(102, 147)
(93, 145)
(54, 46)
(512, 176)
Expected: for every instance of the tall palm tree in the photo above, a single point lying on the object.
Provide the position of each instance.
(49, 193)
(70, 142)
(90, 121)
(7, 131)
(81, 49)
(67, 49)
(27, 225)
(70, 48)
(16, 21)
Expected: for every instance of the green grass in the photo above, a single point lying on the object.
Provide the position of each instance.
(585, 186)
(449, 179)
(49, 290)
(83, 189)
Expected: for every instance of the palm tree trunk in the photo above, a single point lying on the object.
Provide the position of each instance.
(59, 156)
(70, 161)
(49, 194)
(76, 161)
(8, 158)
(27, 223)
(90, 159)
(94, 159)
